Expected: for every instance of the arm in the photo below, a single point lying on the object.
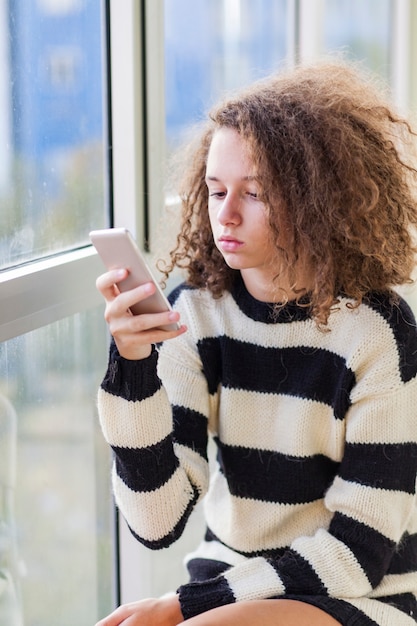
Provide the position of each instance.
(157, 478)
(161, 468)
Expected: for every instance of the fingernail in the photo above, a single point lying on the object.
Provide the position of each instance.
(148, 287)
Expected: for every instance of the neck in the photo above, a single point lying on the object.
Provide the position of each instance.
(270, 289)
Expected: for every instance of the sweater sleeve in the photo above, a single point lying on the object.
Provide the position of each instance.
(372, 500)
(160, 467)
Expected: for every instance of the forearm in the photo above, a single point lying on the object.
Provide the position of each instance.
(158, 475)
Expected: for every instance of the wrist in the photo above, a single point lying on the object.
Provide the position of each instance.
(134, 353)
(174, 607)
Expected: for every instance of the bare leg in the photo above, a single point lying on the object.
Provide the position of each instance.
(264, 613)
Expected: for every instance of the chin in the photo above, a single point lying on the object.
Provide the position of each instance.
(234, 263)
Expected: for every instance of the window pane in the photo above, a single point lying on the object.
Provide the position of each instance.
(51, 126)
(360, 28)
(217, 45)
(56, 562)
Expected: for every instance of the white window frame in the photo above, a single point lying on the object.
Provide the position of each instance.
(45, 291)
(136, 40)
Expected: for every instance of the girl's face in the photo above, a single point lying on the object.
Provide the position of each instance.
(238, 218)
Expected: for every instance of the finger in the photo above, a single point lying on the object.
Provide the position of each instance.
(139, 346)
(128, 298)
(119, 616)
(106, 282)
(159, 335)
(145, 329)
(168, 321)
(114, 619)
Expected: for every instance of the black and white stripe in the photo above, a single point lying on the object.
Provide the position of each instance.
(313, 487)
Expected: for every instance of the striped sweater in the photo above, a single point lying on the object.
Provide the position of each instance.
(313, 488)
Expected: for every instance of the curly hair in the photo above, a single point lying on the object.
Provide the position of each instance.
(329, 148)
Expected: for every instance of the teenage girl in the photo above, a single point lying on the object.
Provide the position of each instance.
(294, 353)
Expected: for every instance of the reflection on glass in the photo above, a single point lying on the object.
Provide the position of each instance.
(361, 29)
(55, 500)
(51, 130)
(216, 45)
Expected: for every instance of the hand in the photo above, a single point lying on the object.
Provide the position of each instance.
(133, 334)
(163, 611)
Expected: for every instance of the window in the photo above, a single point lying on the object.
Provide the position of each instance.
(55, 516)
(56, 510)
(52, 192)
(168, 60)
(229, 43)
(362, 29)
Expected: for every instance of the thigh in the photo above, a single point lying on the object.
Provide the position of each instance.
(264, 613)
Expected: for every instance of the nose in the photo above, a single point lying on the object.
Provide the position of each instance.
(229, 212)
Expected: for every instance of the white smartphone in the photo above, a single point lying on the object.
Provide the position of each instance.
(118, 250)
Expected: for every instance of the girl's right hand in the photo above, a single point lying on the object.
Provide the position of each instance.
(133, 334)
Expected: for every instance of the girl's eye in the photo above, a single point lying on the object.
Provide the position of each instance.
(217, 194)
(253, 194)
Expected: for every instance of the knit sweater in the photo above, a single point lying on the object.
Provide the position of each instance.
(313, 488)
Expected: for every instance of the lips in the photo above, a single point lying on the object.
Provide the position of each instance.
(229, 244)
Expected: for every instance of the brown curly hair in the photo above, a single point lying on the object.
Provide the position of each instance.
(328, 147)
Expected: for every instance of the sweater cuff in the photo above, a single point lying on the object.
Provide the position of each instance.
(199, 597)
(131, 380)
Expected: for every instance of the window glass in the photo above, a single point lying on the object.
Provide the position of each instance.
(361, 29)
(217, 45)
(51, 126)
(213, 46)
(56, 561)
